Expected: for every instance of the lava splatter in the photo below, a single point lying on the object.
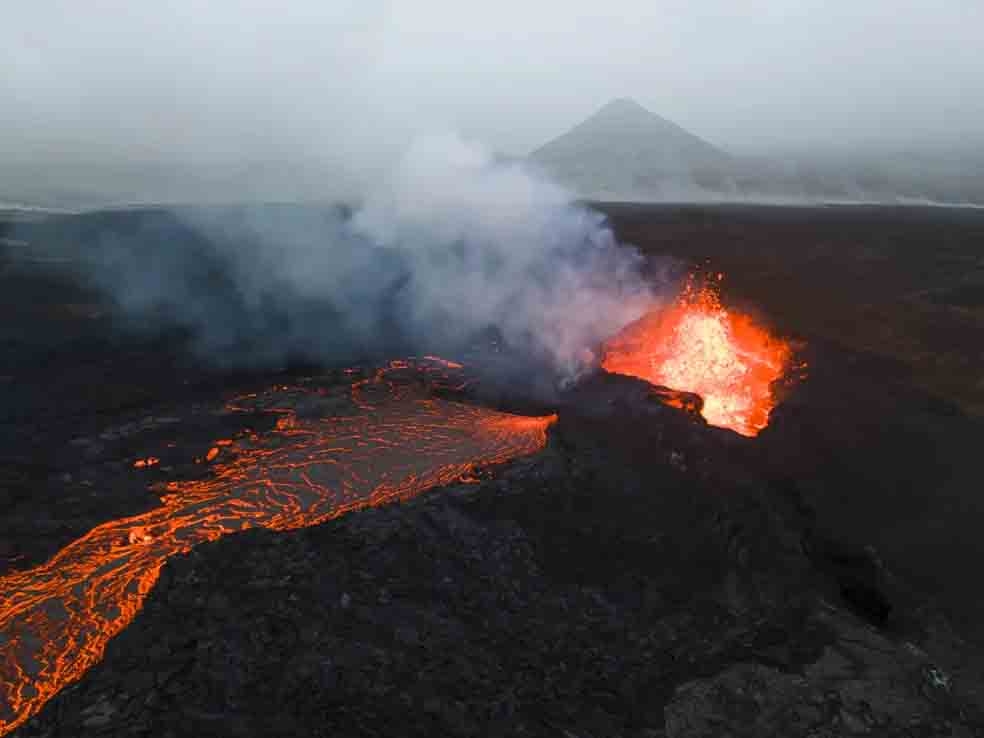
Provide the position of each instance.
(698, 345)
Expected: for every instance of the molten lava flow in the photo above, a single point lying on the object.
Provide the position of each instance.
(376, 441)
(699, 346)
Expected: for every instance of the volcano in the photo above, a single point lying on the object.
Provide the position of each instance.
(176, 558)
(624, 150)
(698, 345)
(389, 435)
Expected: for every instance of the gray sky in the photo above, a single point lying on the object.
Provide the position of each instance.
(231, 79)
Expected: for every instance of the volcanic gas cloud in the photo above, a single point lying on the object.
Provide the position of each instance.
(385, 436)
(698, 345)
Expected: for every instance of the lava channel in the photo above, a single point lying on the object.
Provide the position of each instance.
(383, 440)
(697, 345)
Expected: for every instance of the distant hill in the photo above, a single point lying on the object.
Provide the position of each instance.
(624, 149)
(625, 152)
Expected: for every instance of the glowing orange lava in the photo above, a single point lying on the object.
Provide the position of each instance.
(376, 441)
(699, 346)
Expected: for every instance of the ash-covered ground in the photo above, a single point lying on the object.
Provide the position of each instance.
(644, 575)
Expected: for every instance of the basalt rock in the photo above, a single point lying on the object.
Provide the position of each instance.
(566, 595)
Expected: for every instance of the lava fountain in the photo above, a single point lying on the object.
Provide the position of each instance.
(382, 438)
(699, 346)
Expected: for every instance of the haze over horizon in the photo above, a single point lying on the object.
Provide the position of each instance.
(346, 85)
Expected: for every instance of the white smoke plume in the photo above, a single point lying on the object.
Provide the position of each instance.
(491, 245)
(453, 249)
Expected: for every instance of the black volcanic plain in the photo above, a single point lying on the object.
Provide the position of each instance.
(644, 575)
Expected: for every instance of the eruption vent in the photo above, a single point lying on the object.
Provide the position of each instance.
(382, 440)
(699, 346)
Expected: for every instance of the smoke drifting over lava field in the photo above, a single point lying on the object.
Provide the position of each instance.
(388, 368)
(353, 429)
(453, 250)
(138, 423)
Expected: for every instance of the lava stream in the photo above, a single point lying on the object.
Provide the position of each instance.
(699, 346)
(382, 441)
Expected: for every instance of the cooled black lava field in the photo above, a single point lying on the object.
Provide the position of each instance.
(643, 574)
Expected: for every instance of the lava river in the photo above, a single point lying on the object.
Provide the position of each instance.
(374, 441)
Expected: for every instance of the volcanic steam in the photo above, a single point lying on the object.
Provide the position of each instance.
(452, 249)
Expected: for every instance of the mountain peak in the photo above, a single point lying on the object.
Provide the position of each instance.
(623, 147)
(622, 105)
(624, 116)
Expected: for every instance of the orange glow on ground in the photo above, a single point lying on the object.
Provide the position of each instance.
(697, 345)
(377, 441)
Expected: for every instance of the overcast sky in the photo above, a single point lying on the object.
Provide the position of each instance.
(228, 79)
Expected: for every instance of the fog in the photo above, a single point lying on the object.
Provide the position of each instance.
(188, 88)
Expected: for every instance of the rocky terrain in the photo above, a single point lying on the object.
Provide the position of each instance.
(639, 577)
(644, 575)
(585, 591)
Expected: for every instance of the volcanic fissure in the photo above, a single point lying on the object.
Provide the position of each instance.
(698, 345)
(385, 437)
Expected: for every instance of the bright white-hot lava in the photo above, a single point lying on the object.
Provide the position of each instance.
(697, 345)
